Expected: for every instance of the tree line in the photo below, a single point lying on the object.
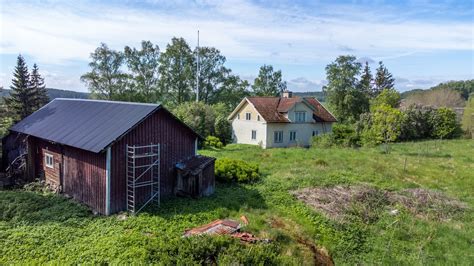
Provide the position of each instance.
(169, 77)
(368, 108)
(28, 94)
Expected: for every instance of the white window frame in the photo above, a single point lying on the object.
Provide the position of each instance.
(315, 133)
(300, 116)
(48, 157)
(254, 134)
(293, 135)
(278, 136)
(248, 116)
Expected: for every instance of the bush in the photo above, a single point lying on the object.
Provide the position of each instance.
(231, 170)
(323, 141)
(213, 142)
(444, 124)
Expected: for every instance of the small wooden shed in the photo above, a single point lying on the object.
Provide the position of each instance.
(112, 156)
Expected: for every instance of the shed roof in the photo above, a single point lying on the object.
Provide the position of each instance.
(86, 124)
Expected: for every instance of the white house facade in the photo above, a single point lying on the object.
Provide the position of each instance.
(279, 121)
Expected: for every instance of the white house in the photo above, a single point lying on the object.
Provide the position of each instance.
(279, 121)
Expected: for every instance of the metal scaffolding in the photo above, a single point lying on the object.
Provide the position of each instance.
(143, 171)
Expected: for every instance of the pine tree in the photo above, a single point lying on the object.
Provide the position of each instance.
(365, 84)
(21, 102)
(38, 88)
(383, 80)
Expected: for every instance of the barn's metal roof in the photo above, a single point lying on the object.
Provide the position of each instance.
(86, 124)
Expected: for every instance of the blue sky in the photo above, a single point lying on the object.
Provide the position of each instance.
(421, 42)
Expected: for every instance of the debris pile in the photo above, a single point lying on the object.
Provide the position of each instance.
(226, 227)
(336, 202)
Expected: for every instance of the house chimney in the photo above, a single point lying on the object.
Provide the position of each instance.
(287, 94)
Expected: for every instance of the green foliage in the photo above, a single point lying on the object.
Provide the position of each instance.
(22, 99)
(198, 115)
(344, 94)
(5, 123)
(416, 123)
(383, 79)
(231, 170)
(38, 87)
(268, 82)
(342, 135)
(212, 73)
(465, 87)
(106, 80)
(388, 96)
(468, 118)
(385, 125)
(143, 66)
(444, 123)
(232, 90)
(212, 142)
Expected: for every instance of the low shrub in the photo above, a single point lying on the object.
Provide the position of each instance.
(213, 142)
(323, 141)
(231, 170)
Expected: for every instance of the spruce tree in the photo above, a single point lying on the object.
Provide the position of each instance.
(38, 88)
(383, 80)
(21, 102)
(365, 83)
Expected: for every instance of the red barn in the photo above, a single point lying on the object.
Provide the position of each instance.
(112, 156)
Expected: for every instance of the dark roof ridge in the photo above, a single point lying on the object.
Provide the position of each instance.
(107, 101)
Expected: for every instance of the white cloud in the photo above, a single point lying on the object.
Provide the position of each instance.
(55, 33)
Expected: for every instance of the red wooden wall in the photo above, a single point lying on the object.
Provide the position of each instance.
(177, 144)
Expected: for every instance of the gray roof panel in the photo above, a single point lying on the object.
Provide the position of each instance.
(86, 124)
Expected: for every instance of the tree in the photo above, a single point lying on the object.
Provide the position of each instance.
(232, 91)
(106, 79)
(177, 72)
(437, 98)
(211, 73)
(383, 80)
(390, 97)
(416, 123)
(468, 117)
(143, 65)
(385, 125)
(197, 115)
(464, 87)
(38, 87)
(344, 94)
(268, 82)
(444, 123)
(22, 100)
(365, 84)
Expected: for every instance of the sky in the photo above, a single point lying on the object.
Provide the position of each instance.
(421, 42)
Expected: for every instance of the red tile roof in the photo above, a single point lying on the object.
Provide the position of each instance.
(272, 109)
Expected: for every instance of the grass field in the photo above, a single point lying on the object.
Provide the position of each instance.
(40, 227)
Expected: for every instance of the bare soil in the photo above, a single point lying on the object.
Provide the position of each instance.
(339, 202)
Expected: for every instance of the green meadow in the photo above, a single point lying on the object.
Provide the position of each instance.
(40, 227)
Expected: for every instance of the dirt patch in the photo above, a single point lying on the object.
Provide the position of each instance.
(343, 202)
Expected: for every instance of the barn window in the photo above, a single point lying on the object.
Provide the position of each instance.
(49, 160)
(278, 136)
(248, 116)
(254, 134)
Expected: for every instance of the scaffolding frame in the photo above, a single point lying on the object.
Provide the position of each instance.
(142, 162)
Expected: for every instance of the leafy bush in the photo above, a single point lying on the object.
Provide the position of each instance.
(213, 142)
(323, 141)
(444, 123)
(416, 123)
(231, 170)
(342, 135)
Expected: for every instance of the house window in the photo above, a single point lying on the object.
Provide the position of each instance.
(300, 116)
(238, 116)
(292, 135)
(49, 160)
(315, 133)
(248, 116)
(258, 117)
(278, 136)
(254, 134)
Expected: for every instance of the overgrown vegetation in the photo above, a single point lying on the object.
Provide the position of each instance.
(39, 228)
(232, 170)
